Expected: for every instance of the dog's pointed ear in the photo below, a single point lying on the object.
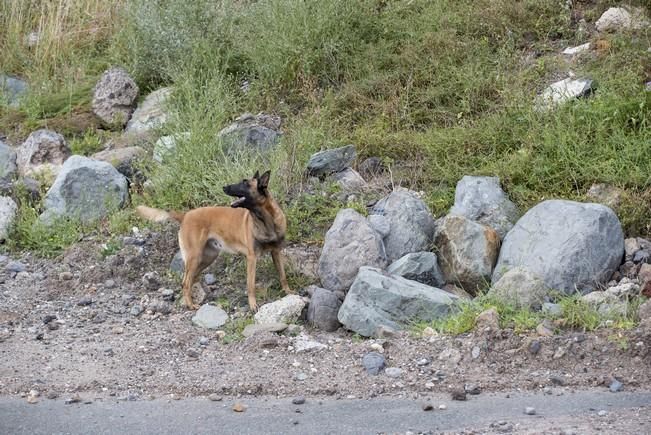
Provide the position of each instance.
(263, 181)
(257, 175)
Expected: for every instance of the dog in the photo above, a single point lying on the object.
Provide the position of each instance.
(252, 225)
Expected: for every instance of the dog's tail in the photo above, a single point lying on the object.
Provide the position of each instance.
(157, 215)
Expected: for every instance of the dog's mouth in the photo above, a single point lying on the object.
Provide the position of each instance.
(238, 202)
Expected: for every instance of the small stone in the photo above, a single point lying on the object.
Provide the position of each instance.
(15, 267)
(203, 341)
(557, 380)
(602, 413)
(475, 352)
(85, 301)
(300, 376)
(377, 347)
(73, 399)
(32, 399)
(472, 389)
(239, 407)
(210, 317)
(534, 347)
(615, 386)
(214, 397)
(544, 329)
(52, 395)
(49, 318)
(458, 395)
(136, 310)
(209, 279)
(422, 362)
(443, 406)
(428, 332)
(167, 294)
(65, 276)
(252, 329)
(374, 363)
(530, 410)
(427, 407)
(393, 372)
(192, 353)
(298, 400)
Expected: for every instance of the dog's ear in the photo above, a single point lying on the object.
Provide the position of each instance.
(257, 175)
(263, 181)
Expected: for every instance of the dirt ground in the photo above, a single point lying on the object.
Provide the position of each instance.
(68, 326)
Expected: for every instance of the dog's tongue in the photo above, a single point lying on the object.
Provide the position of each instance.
(237, 202)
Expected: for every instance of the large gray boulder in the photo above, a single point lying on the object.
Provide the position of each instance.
(520, 288)
(85, 189)
(570, 245)
(482, 199)
(411, 224)
(467, 252)
(8, 209)
(349, 244)
(151, 113)
(114, 97)
(251, 133)
(378, 301)
(331, 161)
(44, 151)
(419, 266)
(123, 159)
(8, 167)
(323, 308)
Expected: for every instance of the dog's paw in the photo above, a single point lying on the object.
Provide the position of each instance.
(289, 291)
(253, 305)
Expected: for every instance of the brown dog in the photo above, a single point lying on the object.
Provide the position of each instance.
(254, 224)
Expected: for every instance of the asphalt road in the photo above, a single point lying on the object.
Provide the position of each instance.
(280, 416)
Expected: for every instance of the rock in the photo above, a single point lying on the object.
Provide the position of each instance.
(151, 280)
(298, 400)
(563, 91)
(605, 194)
(377, 299)
(44, 151)
(65, 276)
(618, 19)
(607, 304)
(371, 167)
(374, 363)
(322, 309)
(624, 290)
(331, 161)
(12, 90)
(254, 328)
(427, 406)
(419, 266)
(239, 407)
(472, 389)
(210, 317)
(380, 224)
(349, 244)
(602, 413)
(545, 328)
(520, 288)
(251, 133)
(350, 181)
(165, 147)
(412, 226)
(85, 301)
(571, 51)
(530, 410)
(458, 394)
(393, 372)
(631, 246)
(214, 397)
(488, 321)
(123, 159)
(534, 347)
(481, 199)
(209, 279)
(467, 252)
(615, 386)
(161, 307)
(8, 167)
(86, 189)
(569, 245)
(285, 310)
(553, 310)
(136, 310)
(303, 343)
(177, 265)
(8, 210)
(151, 113)
(114, 97)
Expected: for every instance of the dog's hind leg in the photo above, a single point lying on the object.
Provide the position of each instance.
(192, 247)
(250, 280)
(280, 267)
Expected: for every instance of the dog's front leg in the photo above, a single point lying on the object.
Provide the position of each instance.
(280, 267)
(250, 281)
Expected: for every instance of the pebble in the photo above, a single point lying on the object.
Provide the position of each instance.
(422, 362)
(167, 294)
(239, 407)
(298, 400)
(136, 310)
(615, 386)
(15, 267)
(427, 407)
(374, 363)
(377, 347)
(65, 276)
(602, 413)
(109, 283)
(300, 376)
(52, 395)
(85, 301)
(203, 341)
(32, 399)
(209, 279)
(476, 351)
(73, 399)
(529, 410)
(443, 406)
(192, 353)
(472, 389)
(534, 347)
(458, 395)
(393, 372)
(214, 397)
(47, 319)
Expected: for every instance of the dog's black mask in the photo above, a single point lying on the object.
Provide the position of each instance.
(249, 193)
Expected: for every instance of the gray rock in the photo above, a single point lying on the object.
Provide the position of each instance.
(570, 245)
(563, 91)
(303, 343)
(12, 89)
(322, 309)
(165, 147)
(380, 224)
(8, 210)
(379, 300)
(86, 189)
(43, 151)
(411, 223)
(618, 19)
(252, 329)
(210, 317)
(615, 386)
(331, 161)
(467, 252)
(123, 159)
(530, 410)
(151, 113)
(8, 167)
(285, 310)
(481, 199)
(258, 133)
(349, 244)
(177, 265)
(553, 310)
(393, 372)
(209, 279)
(520, 288)
(350, 181)
(419, 266)
(571, 51)
(374, 363)
(624, 290)
(114, 97)
(298, 400)
(606, 304)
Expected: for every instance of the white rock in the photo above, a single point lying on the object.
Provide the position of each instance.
(286, 310)
(571, 51)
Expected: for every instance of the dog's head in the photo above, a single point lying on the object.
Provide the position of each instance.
(250, 193)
